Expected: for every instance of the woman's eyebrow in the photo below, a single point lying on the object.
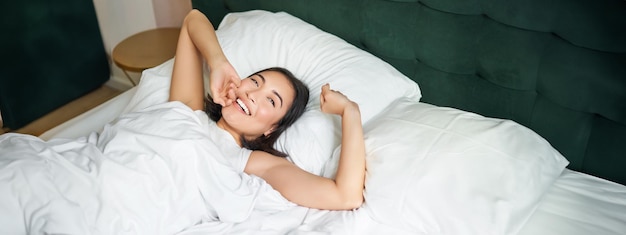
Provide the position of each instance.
(261, 76)
(279, 97)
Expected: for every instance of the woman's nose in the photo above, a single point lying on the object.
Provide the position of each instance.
(251, 96)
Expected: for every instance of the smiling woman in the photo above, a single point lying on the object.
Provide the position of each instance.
(256, 110)
(260, 101)
(252, 99)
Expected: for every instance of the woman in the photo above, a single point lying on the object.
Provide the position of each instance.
(254, 109)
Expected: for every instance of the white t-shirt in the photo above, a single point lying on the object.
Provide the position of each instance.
(237, 156)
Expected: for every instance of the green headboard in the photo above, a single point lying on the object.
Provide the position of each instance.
(53, 54)
(557, 67)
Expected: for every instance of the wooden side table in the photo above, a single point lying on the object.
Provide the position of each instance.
(145, 50)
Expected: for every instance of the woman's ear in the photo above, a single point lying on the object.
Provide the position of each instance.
(268, 132)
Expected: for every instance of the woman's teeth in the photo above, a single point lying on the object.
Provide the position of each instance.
(243, 106)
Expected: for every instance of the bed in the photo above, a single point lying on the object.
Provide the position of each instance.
(447, 152)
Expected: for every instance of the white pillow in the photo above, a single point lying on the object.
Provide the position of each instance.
(436, 170)
(256, 40)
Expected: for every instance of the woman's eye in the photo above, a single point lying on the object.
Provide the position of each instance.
(271, 101)
(256, 83)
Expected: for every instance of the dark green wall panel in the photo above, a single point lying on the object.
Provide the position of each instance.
(54, 54)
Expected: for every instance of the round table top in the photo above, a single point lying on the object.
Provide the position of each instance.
(146, 49)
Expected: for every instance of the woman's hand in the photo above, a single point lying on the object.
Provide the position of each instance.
(334, 102)
(197, 41)
(223, 82)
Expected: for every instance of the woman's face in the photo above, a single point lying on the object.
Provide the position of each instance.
(262, 100)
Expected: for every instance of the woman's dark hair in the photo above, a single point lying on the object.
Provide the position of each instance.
(266, 142)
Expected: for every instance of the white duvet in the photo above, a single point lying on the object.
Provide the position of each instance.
(149, 172)
(157, 172)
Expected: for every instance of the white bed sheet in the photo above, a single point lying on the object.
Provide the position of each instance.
(577, 203)
(92, 120)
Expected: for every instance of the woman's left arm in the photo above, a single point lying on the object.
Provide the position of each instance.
(303, 188)
(198, 41)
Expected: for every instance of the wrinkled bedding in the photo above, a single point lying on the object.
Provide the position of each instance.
(149, 172)
(156, 172)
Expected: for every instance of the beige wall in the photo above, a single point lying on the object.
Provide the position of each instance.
(119, 19)
(170, 13)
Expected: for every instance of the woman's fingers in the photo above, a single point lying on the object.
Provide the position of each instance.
(325, 89)
(224, 94)
(224, 82)
(217, 97)
(331, 101)
(230, 94)
(236, 81)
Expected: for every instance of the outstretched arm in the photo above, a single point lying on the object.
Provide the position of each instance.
(306, 189)
(198, 42)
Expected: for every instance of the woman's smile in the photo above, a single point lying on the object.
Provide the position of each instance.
(243, 107)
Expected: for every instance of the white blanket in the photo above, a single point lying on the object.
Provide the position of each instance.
(149, 172)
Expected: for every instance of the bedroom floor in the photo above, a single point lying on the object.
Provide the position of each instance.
(68, 111)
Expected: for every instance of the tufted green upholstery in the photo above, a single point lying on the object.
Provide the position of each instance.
(53, 53)
(556, 66)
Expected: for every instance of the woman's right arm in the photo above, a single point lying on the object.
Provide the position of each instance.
(197, 41)
(309, 190)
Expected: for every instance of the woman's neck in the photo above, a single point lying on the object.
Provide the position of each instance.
(224, 126)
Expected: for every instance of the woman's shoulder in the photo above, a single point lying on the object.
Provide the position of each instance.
(261, 161)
